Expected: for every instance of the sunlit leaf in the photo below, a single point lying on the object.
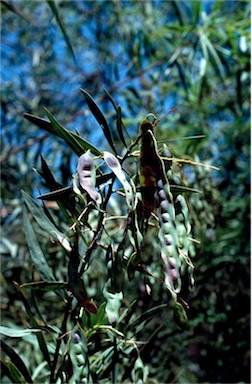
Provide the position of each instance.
(15, 332)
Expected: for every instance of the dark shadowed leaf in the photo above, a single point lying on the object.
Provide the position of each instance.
(146, 316)
(74, 141)
(36, 253)
(99, 117)
(45, 286)
(44, 222)
(119, 123)
(16, 360)
(58, 194)
(61, 25)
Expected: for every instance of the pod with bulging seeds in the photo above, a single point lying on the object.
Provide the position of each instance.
(87, 176)
(168, 237)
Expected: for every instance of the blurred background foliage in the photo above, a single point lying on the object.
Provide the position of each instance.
(150, 56)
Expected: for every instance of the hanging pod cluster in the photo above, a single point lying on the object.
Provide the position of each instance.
(173, 218)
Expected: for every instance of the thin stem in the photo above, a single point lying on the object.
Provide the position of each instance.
(99, 229)
(63, 330)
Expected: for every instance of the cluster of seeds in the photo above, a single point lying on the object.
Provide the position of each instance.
(183, 231)
(168, 236)
(174, 236)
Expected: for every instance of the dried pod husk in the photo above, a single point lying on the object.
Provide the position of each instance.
(87, 176)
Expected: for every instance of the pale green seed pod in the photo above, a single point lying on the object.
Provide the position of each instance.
(168, 237)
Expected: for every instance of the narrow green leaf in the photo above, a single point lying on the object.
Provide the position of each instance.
(48, 176)
(61, 25)
(99, 117)
(44, 222)
(39, 335)
(215, 57)
(74, 141)
(119, 123)
(180, 316)
(15, 374)
(45, 286)
(196, 7)
(69, 137)
(36, 253)
(16, 359)
(58, 194)
(182, 188)
(147, 315)
(110, 99)
(12, 332)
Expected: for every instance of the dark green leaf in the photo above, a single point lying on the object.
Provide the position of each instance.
(182, 188)
(16, 10)
(48, 176)
(44, 222)
(36, 253)
(16, 360)
(58, 194)
(14, 372)
(99, 117)
(147, 315)
(45, 285)
(39, 335)
(61, 25)
(74, 141)
(180, 316)
(119, 123)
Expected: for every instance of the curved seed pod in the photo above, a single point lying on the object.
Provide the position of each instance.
(79, 357)
(115, 166)
(87, 176)
(114, 301)
(168, 237)
(184, 209)
(183, 230)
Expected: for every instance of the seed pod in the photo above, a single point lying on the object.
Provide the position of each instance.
(168, 237)
(87, 176)
(115, 166)
(79, 357)
(183, 230)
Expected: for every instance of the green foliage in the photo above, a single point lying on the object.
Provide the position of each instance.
(149, 56)
(90, 217)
